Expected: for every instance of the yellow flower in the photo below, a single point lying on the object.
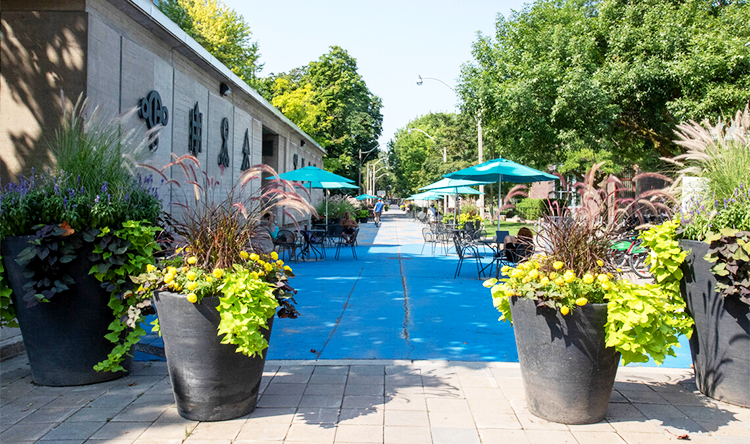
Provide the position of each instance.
(505, 269)
(254, 275)
(244, 255)
(533, 274)
(268, 267)
(526, 280)
(600, 263)
(553, 276)
(581, 302)
(172, 270)
(191, 275)
(564, 310)
(279, 264)
(192, 298)
(509, 292)
(261, 273)
(150, 268)
(287, 268)
(191, 286)
(209, 279)
(274, 255)
(168, 278)
(185, 269)
(606, 286)
(179, 250)
(177, 287)
(218, 273)
(192, 260)
(602, 278)
(587, 278)
(560, 281)
(544, 281)
(254, 257)
(569, 276)
(557, 265)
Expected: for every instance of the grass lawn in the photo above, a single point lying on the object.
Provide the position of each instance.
(512, 227)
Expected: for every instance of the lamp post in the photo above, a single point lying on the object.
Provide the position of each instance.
(479, 138)
(359, 182)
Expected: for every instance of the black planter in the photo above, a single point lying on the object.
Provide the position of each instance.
(720, 343)
(210, 380)
(362, 220)
(64, 338)
(567, 371)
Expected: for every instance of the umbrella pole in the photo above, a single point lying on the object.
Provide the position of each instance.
(499, 198)
(326, 196)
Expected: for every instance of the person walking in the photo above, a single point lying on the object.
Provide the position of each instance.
(378, 211)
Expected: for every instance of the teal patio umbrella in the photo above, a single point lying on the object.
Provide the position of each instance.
(365, 197)
(316, 178)
(502, 170)
(454, 184)
(427, 195)
(331, 186)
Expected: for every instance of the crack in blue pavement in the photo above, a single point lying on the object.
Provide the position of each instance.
(343, 310)
(407, 312)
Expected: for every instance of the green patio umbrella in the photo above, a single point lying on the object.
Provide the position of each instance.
(502, 170)
(318, 177)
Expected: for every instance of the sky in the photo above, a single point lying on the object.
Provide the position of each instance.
(393, 42)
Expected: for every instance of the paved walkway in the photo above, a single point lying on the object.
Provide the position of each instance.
(391, 303)
(409, 402)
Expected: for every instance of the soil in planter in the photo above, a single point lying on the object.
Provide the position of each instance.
(211, 381)
(64, 338)
(567, 371)
(720, 344)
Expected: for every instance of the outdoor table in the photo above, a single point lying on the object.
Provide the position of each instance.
(497, 254)
(308, 247)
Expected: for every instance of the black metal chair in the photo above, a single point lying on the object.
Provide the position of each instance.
(286, 241)
(466, 251)
(429, 238)
(513, 253)
(334, 232)
(353, 240)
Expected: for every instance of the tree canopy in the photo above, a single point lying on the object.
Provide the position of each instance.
(330, 101)
(572, 82)
(220, 30)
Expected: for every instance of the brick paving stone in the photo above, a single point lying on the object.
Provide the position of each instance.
(73, 430)
(220, 430)
(531, 422)
(49, 415)
(550, 437)
(362, 416)
(407, 435)
(275, 388)
(121, 431)
(283, 415)
(492, 419)
(22, 432)
(363, 402)
(325, 389)
(446, 435)
(360, 370)
(644, 438)
(643, 396)
(279, 400)
(592, 437)
(359, 433)
(316, 415)
(325, 378)
(263, 431)
(658, 411)
(321, 401)
(503, 436)
(311, 433)
(453, 419)
(168, 430)
(364, 389)
(406, 418)
(366, 379)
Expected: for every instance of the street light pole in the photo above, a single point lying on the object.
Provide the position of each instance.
(359, 182)
(479, 138)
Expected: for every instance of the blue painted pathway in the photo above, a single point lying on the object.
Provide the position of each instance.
(395, 303)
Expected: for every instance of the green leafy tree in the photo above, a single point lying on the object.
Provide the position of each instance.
(220, 30)
(573, 82)
(330, 101)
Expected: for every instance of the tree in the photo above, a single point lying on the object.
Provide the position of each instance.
(573, 82)
(220, 30)
(330, 101)
(417, 161)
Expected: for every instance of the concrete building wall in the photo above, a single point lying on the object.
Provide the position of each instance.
(116, 52)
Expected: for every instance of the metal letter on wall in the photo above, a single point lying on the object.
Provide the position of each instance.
(195, 131)
(303, 162)
(245, 152)
(224, 154)
(151, 110)
(295, 160)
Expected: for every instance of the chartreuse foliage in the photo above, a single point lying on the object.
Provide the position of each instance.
(730, 251)
(247, 304)
(7, 312)
(642, 319)
(647, 319)
(117, 256)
